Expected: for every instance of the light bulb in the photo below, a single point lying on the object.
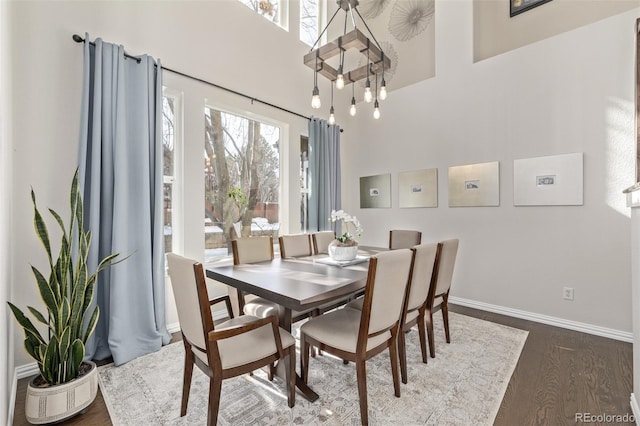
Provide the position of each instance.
(383, 91)
(376, 110)
(332, 117)
(352, 110)
(368, 97)
(340, 81)
(315, 99)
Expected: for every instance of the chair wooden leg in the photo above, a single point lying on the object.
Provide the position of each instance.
(215, 388)
(402, 353)
(429, 321)
(445, 320)
(186, 382)
(422, 333)
(393, 356)
(304, 359)
(271, 372)
(290, 376)
(361, 374)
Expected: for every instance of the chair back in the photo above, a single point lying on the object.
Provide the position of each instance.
(424, 262)
(399, 238)
(387, 280)
(445, 266)
(295, 245)
(321, 241)
(252, 250)
(192, 301)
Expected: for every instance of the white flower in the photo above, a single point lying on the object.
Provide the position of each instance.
(347, 219)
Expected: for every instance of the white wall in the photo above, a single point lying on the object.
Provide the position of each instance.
(570, 93)
(6, 324)
(222, 41)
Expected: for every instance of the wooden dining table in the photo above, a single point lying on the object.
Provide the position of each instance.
(298, 284)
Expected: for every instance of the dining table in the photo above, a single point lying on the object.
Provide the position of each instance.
(299, 284)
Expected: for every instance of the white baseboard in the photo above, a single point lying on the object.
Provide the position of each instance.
(635, 409)
(610, 333)
(26, 370)
(173, 327)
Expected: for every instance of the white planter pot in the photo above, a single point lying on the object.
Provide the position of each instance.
(55, 403)
(342, 253)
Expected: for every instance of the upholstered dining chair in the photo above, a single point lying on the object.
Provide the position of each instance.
(234, 347)
(321, 241)
(295, 245)
(358, 335)
(438, 297)
(414, 311)
(253, 250)
(399, 238)
(425, 259)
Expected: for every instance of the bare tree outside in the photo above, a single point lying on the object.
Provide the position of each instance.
(309, 13)
(242, 180)
(270, 9)
(168, 150)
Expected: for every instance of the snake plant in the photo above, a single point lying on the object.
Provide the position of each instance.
(67, 295)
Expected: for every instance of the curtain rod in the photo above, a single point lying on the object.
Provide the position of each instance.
(79, 39)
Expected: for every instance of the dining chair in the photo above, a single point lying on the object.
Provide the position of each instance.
(358, 335)
(425, 259)
(295, 245)
(414, 310)
(234, 347)
(253, 250)
(399, 238)
(321, 241)
(438, 297)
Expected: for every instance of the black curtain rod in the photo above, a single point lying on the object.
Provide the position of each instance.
(79, 39)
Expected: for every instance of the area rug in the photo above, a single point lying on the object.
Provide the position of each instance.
(463, 385)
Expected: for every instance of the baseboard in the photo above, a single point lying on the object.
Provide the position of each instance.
(173, 327)
(217, 315)
(610, 333)
(635, 409)
(26, 370)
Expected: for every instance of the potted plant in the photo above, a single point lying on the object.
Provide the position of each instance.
(345, 246)
(66, 384)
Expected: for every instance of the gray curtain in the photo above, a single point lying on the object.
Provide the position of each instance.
(324, 173)
(120, 165)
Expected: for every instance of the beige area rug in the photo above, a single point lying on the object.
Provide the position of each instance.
(463, 385)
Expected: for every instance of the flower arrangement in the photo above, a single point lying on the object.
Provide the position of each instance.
(346, 238)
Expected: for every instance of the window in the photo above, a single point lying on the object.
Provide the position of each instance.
(309, 21)
(304, 183)
(242, 180)
(169, 104)
(273, 10)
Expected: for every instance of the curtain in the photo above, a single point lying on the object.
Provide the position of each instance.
(120, 166)
(324, 173)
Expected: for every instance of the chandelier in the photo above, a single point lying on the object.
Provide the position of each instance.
(354, 40)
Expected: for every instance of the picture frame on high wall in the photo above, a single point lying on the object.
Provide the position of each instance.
(418, 188)
(375, 191)
(554, 180)
(518, 6)
(475, 185)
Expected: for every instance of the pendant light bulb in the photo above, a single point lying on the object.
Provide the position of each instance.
(368, 96)
(340, 79)
(383, 90)
(332, 117)
(376, 110)
(315, 98)
(353, 110)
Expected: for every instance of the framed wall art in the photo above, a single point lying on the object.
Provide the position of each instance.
(555, 180)
(519, 6)
(418, 188)
(375, 191)
(474, 185)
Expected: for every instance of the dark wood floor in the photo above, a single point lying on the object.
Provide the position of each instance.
(560, 373)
